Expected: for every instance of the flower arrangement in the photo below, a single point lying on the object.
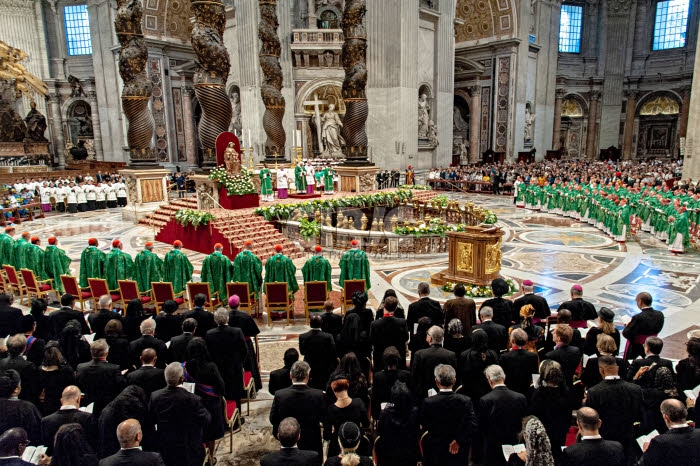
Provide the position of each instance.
(196, 218)
(435, 226)
(416, 187)
(490, 218)
(236, 185)
(474, 291)
(440, 200)
(309, 229)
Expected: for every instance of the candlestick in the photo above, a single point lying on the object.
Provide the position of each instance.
(250, 140)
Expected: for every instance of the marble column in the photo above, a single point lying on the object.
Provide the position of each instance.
(188, 117)
(691, 155)
(630, 111)
(474, 120)
(312, 15)
(685, 113)
(591, 133)
(57, 121)
(556, 131)
(92, 100)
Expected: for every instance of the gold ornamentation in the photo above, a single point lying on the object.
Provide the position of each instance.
(465, 260)
(571, 108)
(364, 221)
(493, 257)
(660, 106)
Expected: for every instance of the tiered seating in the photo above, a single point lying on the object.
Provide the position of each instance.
(165, 212)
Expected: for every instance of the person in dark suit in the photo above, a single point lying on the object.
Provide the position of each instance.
(204, 318)
(289, 435)
(148, 376)
(497, 333)
(652, 349)
(679, 445)
(15, 412)
(550, 404)
(519, 364)
(13, 442)
(59, 319)
(318, 349)
(245, 322)
(181, 418)
(147, 340)
(461, 308)
(590, 375)
(503, 313)
(168, 324)
(500, 416)
(542, 311)
(228, 350)
(99, 380)
(647, 323)
(303, 403)
(15, 360)
(281, 378)
(450, 421)
(619, 404)
(385, 379)
(580, 308)
(99, 319)
(9, 316)
(130, 436)
(388, 331)
(568, 356)
(424, 307)
(592, 448)
(68, 414)
(330, 322)
(426, 360)
(605, 326)
(564, 318)
(178, 344)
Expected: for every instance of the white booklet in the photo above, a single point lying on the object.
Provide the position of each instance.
(693, 394)
(89, 338)
(625, 319)
(89, 408)
(189, 386)
(167, 345)
(646, 438)
(586, 358)
(535, 379)
(510, 449)
(32, 454)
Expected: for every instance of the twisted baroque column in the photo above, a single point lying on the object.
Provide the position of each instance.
(271, 89)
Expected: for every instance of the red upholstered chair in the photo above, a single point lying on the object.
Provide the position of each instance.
(233, 418)
(349, 287)
(98, 287)
(315, 295)
(249, 389)
(129, 290)
(14, 282)
(70, 285)
(248, 301)
(34, 287)
(163, 291)
(195, 288)
(278, 301)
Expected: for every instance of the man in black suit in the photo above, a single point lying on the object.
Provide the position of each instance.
(27, 371)
(424, 307)
(647, 323)
(652, 350)
(181, 418)
(384, 380)
(59, 319)
(228, 351)
(592, 449)
(567, 356)
(9, 316)
(318, 349)
(204, 318)
(280, 378)
(542, 311)
(680, 445)
(303, 403)
(13, 442)
(331, 323)
(450, 421)
(580, 308)
(290, 455)
(147, 340)
(168, 324)
(178, 344)
(15, 412)
(99, 380)
(619, 404)
(498, 334)
(129, 435)
(68, 414)
(500, 416)
(99, 319)
(388, 331)
(426, 360)
(519, 364)
(245, 322)
(148, 376)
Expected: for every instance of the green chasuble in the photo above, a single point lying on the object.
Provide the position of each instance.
(279, 268)
(328, 179)
(317, 269)
(217, 270)
(21, 254)
(92, 265)
(299, 178)
(7, 247)
(265, 182)
(354, 265)
(56, 263)
(148, 268)
(118, 266)
(680, 225)
(35, 262)
(177, 270)
(247, 267)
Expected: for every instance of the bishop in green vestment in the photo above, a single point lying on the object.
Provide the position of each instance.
(56, 263)
(317, 268)
(280, 268)
(7, 246)
(92, 263)
(300, 178)
(35, 259)
(148, 268)
(20, 252)
(247, 267)
(266, 184)
(328, 180)
(177, 268)
(118, 265)
(217, 270)
(354, 265)
(679, 232)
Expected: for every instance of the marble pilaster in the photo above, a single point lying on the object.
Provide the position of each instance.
(57, 122)
(91, 97)
(188, 117)
(312, 15)
(628, 141)
(556, 124)
(691, 157)
(474, 120)
(591, 133)
(685, 113)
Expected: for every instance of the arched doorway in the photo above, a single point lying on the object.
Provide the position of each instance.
(658, 126)
(460, 129)
(314, 102)
(573, 127)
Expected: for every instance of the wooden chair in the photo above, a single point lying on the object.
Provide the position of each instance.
(70, 286)
(34, 287)
(278, 300)
(249, 389)
(233, 417)
(349, 287)
(129, 290)
(14, 283)
(420, 443)
(195, 288)
(377, 447)
(315, 296)
(248, 302)
(98, 287)
(163, 291)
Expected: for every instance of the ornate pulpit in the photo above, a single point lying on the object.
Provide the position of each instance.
(475, 256)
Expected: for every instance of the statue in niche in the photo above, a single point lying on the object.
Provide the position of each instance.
(79, 152)
(328, 56)
(76, 87)
(423, 116)
(236, 124)
(36, 124)
(330, 133)
(232, 160)
(529, 123)
(458, 123)
(433, 133)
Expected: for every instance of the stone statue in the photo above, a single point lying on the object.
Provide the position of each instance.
(432, 133)
(76, 87)
(79, 152)
(330, 133)
(232, 160)
(458, 123)
(36, 124)
(423, 116)
(236, 124)
(529, 123)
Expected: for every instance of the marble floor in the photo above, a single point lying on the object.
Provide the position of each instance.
(555, 252)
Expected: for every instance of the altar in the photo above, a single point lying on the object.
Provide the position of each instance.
(474, 256)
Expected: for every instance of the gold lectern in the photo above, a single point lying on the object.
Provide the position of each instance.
(475, 257)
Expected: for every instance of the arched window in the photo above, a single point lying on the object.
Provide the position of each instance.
(77, 23)
(670, 24)
(328, 18)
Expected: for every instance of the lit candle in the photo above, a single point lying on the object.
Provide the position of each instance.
(298, 137)
(250, 139)
(294, 139)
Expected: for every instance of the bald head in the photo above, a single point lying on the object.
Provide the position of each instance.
(674, 412)
(148, 356)
(129, 433)
(70, 396)
(13, 442)
(588, 420)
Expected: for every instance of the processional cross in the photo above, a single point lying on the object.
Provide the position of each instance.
(317, 112)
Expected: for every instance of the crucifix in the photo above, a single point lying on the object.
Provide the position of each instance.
(317, 112)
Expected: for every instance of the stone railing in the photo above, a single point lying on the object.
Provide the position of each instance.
(315, 37)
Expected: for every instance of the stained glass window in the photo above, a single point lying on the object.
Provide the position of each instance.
(570, 26)
(671, 24)
(77, 25)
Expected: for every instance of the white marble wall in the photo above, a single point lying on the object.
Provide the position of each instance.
(691, 162)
